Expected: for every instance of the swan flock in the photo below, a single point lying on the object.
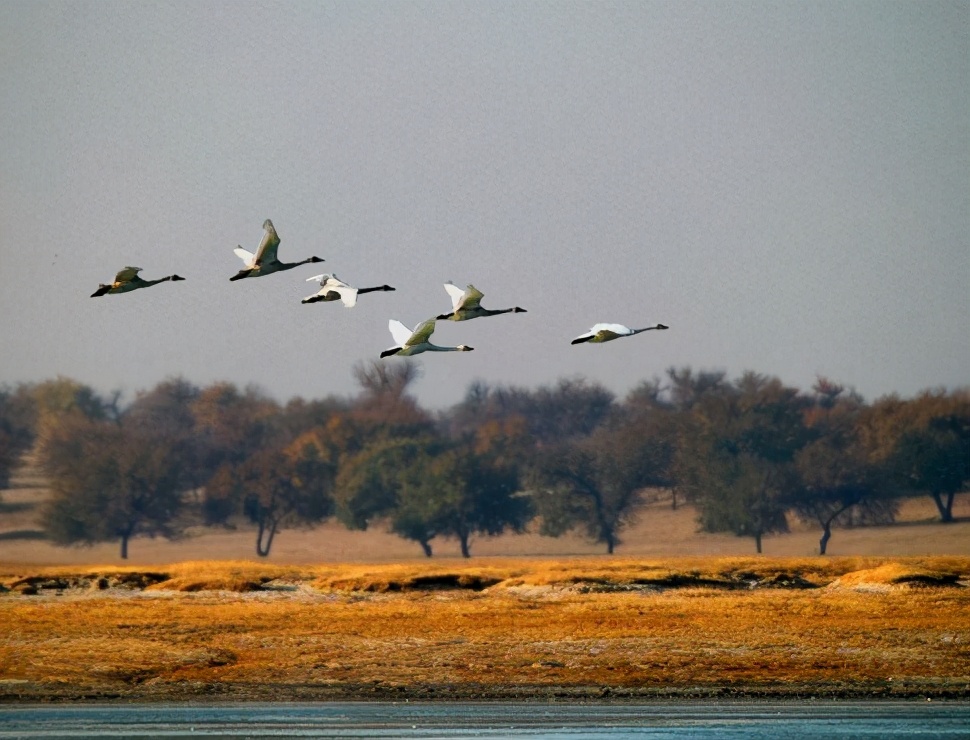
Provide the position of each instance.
(465, 303)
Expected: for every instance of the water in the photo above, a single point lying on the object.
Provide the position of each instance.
(492, 720)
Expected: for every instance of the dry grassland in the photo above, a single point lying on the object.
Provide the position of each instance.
(509, 628)
(660, 532)
(677, 613)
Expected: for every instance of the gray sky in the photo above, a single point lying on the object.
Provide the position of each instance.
(786, 185)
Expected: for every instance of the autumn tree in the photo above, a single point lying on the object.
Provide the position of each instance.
(839, 481)
(230, 425)
(63, 398)
(301, 415)
(385, 406)
(932, 455)
(281, 488)
(570, 408)
(925, 441)
(384, 409)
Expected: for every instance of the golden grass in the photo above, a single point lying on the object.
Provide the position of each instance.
(523, 626)
(899, 574)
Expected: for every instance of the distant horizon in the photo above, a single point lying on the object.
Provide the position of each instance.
(128, 394)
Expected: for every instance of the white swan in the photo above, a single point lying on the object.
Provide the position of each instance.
(415, 342)
(127, 280)
(264, 262)
(333, 288)
(608, 332)
(466, 304)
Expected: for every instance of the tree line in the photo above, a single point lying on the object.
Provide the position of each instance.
(750, 454)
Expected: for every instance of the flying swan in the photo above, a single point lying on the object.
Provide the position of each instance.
(608, 332)
(127, 280)
(264, 262)
(466, 304)
(333, 288)
(415, 342)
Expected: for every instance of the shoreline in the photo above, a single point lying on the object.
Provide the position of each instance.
(202, 692)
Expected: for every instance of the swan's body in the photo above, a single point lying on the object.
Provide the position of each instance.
(466, 304)
(608, 332)
(417, 341)
(334, 289)
(127, 280)
(265, 262)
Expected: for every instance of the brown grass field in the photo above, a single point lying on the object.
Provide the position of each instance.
(361, 615)
(576, 628)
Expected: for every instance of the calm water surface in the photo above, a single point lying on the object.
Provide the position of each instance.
(492, 720)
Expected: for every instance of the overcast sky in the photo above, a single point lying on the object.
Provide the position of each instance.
(786, 185)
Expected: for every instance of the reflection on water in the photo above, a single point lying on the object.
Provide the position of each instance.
(463, 720)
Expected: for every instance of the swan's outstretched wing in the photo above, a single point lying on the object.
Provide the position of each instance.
(471, 298)
(603, 333)
(422, 333)
(246, 256)
(332, 284)
(456, 294)
(617, 329)
(347, 294)
(606, 335)
(400, 332)
(127, 275)
(266, 252)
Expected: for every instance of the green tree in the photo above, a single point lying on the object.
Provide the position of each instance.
(167, 409)
(110, 481)
(595, 483)
(462, 494)
(652, 418)
(369, 483)
(18, 425)
(427, 487)
(688, 388)
(736, 453)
